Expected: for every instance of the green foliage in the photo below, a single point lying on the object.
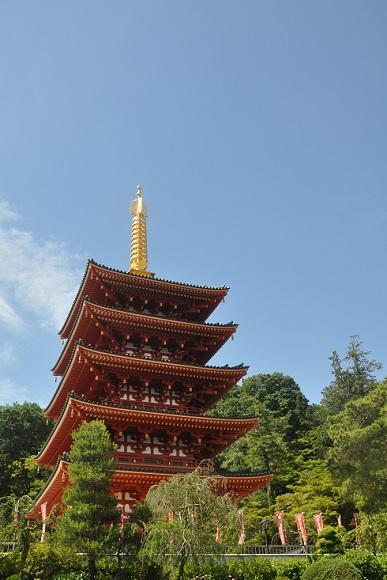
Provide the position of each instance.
(86, 525)
(284, 417)
(350, 382)
(367, 563)
(314, 492)
(372, 532)
(292, 569)
(276, 393)
(9, 564)
(23, 430)
(71, 576)
(328, 541)
(331, 569)
(197, 512)
(359, 434)
(44, 561)
(251, 569)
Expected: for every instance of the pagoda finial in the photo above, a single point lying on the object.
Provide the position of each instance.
(139, 243)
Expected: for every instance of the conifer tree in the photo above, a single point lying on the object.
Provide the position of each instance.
(86, 523)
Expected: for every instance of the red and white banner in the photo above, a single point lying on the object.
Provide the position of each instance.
(43, 511)
(318, 522)
(218, 535)
(242, 535)
(281, 526)
(300, 523)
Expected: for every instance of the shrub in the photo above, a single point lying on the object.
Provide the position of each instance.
(328, 541)
(9, 564)
(251, 569)
(109, 568)
(367, 563)
(45, 562)
(72, 576)
(292, 569)
(331, 569)
(383, 562)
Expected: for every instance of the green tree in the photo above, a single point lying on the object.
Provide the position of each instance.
(358, 458)
(86, 523)
(197, 513)
(315, 491)
(353, 377)
(23, 430)
(277, 394)
(262, 448)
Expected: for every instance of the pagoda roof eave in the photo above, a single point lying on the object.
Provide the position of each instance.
(86, 355)
(89, 307)
(52, 492)
(177, 288)
(76, 410)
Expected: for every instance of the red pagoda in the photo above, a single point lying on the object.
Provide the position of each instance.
(135, 356)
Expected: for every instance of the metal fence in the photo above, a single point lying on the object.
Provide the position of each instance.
(6, 547)
(262, 550)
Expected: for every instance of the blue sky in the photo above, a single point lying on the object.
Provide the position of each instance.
(258, 132)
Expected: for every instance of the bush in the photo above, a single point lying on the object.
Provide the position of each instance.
(9, 564)
(328, 541)
(331, 569)
(45, 562)
(383, 562)
(292, 569)
(72, 576)
(251, 569)
(367, 563)
(109, 568)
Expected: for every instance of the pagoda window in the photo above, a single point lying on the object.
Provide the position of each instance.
(126, 502)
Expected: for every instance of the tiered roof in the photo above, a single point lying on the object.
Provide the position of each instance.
(97, 276)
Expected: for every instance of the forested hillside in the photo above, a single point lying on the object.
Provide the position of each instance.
(327, 458)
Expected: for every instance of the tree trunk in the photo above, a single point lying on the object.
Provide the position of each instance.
(92, 568)
(181, 569)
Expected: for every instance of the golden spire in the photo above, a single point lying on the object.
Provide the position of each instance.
(139, 244)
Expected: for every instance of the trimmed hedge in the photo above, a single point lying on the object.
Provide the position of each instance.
(331, 569)
(292, 569)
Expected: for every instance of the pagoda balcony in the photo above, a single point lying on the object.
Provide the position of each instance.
(98, 371)
(152, 434)
(122, 330)
(176, 465)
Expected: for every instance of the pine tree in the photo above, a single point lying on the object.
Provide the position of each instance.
(86, 523)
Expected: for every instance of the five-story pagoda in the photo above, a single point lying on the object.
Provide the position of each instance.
(135, 356)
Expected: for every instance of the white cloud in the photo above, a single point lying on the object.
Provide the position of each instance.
(6, 212)
(8, 314)
(36, 276)
(10, 392)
